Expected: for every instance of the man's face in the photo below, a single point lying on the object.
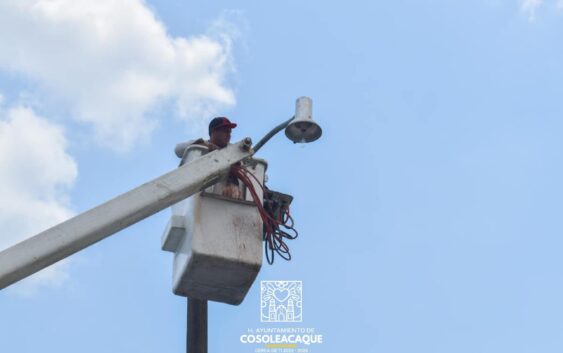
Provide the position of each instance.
(221, 136)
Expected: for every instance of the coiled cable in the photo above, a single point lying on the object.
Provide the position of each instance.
(276, 228)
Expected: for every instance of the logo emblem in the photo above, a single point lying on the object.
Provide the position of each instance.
(281, 301)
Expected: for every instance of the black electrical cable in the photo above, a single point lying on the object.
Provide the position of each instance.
(274, 235)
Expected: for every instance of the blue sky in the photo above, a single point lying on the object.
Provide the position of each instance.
(429, 211)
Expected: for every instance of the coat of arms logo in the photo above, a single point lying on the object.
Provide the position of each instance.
(281, 301)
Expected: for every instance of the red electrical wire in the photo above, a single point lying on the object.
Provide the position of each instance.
(274, 235)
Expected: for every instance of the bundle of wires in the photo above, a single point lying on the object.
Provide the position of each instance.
(277, 225)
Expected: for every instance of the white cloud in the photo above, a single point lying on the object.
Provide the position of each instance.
(529, 8)
(112, 61)
(35, 176)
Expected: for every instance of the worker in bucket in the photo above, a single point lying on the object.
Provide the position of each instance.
(219, 137)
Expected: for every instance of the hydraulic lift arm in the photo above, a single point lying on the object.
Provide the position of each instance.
(85, 229)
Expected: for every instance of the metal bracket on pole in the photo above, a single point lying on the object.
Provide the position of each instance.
(85, 229)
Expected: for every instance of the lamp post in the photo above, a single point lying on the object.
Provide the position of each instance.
(301, 128)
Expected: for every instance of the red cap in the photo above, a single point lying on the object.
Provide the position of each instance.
(220, 122)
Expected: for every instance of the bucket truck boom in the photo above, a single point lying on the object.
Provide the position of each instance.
(85, 229)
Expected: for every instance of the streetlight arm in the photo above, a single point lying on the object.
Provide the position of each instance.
(85, 229)
(270, 134)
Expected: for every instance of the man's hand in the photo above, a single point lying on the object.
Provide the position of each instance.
(211, 146)
(231, 190)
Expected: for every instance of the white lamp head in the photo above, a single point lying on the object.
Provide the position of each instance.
(303, 128)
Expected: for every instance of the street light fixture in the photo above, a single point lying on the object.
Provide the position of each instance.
(301, 128)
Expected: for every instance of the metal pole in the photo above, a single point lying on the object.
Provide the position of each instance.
(270, 134)
(196, 340)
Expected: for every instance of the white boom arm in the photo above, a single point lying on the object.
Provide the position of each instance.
(79, 232)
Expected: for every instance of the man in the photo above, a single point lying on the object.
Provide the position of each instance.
(219, 133)
(219, 137)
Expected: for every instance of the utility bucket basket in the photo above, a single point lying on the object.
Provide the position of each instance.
(216, 240)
